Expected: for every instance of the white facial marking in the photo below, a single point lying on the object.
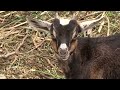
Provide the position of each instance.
(74, 32)
(63, 46)
(54, 33)
(64, 21)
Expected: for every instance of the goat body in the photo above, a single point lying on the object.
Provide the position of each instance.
(94, 58)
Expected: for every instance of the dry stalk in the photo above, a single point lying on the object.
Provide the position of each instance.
(1, 12)
(49, 62)
(19, 24)
(14, 26)
(7, 55)
(9, 14)
(13, 61)
(103, 22)
(17, 50)
(36, 46)
(8, 34)
(100, 27)
(43, 75)
(44, 12)
(91, 14)
(108, 31)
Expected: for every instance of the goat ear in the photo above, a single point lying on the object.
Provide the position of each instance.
(86, 25)
(38, 24)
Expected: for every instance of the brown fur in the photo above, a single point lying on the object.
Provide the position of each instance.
(96, 74)
(73, 46)
(54, 45)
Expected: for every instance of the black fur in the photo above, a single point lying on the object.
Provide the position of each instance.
(94, 58)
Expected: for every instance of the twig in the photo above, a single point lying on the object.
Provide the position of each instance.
(50, 19)
(17, 50)
(2, 76)
(92, 14)
(21, 43)
(43, 75)
(108, 32)
(103, 22)
(100, 27)
(1, 19)
(43, 40)
(75, 14)
(19, 24)
(49, 62)
(13, 61)
(36, 46)
(1, 12)
(9, 33)
(44, 12)
(7, 55)
(15, 26)
(9, 14)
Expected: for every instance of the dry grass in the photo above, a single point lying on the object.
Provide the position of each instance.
(27, 53)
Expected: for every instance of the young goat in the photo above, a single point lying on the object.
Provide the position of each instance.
(79, 57)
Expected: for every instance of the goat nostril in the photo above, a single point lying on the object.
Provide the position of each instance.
(63, 52)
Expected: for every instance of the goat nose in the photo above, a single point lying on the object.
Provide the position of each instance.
(63, 49)
(63, 52)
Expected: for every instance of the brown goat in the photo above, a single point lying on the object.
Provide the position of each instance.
(79, 57)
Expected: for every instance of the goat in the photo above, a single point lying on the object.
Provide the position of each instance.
(82, 57)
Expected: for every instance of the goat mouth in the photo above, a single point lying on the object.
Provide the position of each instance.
(63, 57)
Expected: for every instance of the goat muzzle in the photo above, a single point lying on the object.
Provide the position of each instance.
(63, 53)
